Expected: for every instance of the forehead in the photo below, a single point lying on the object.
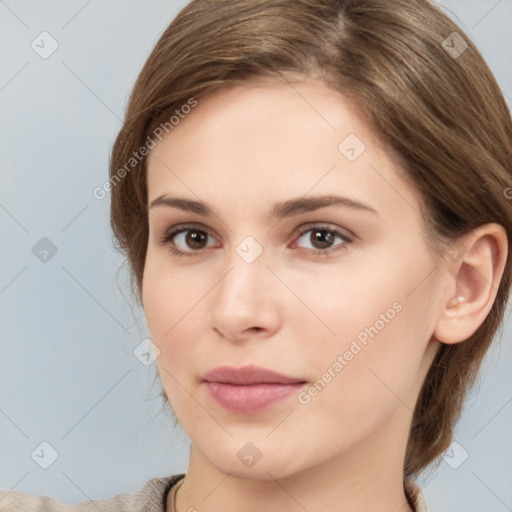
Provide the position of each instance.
(263, 142)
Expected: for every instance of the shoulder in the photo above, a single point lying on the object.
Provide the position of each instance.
(415, 495)
(149, 498)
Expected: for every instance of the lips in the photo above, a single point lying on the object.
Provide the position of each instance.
(248, 375)
(249, 389)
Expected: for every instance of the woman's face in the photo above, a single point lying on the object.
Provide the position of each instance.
(341, 298)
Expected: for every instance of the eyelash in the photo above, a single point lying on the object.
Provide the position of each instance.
(169, 235)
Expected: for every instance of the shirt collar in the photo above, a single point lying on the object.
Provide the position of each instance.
(415, 495)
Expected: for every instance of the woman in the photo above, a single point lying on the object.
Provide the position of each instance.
(312, 198)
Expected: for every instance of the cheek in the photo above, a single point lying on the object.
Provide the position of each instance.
(341, 302)
(174, 308)
(360, 382)
(377, 321)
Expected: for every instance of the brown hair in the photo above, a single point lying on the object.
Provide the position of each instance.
(433, 102)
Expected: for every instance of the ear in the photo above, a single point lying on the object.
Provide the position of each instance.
(475, 267)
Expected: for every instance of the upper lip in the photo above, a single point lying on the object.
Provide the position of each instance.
(248, 375)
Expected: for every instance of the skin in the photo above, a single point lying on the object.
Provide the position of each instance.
(242, 149)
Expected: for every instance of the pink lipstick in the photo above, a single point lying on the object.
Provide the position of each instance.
(249, 389)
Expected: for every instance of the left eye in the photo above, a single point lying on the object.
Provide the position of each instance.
(322, 237)
(186, 235)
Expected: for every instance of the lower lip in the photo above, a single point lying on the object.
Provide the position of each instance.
(250, 398)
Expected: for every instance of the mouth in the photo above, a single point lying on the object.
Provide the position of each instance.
(249, 389)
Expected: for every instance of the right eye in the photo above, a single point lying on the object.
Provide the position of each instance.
(184, 236)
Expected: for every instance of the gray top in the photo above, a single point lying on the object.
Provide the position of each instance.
(151, 497)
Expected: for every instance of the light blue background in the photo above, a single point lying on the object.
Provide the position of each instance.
(68, 327)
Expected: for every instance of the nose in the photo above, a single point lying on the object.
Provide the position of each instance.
(246, 301)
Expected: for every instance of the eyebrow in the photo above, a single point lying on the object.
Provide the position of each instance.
(278, 210)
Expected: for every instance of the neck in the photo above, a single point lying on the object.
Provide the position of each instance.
(364, 477)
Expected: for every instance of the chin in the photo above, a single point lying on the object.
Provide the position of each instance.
(253, 461)
(260, 471)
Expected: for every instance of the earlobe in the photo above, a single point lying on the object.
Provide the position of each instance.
(476, 277)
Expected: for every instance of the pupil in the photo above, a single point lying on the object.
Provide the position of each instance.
(323, 236)
(195, 238)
